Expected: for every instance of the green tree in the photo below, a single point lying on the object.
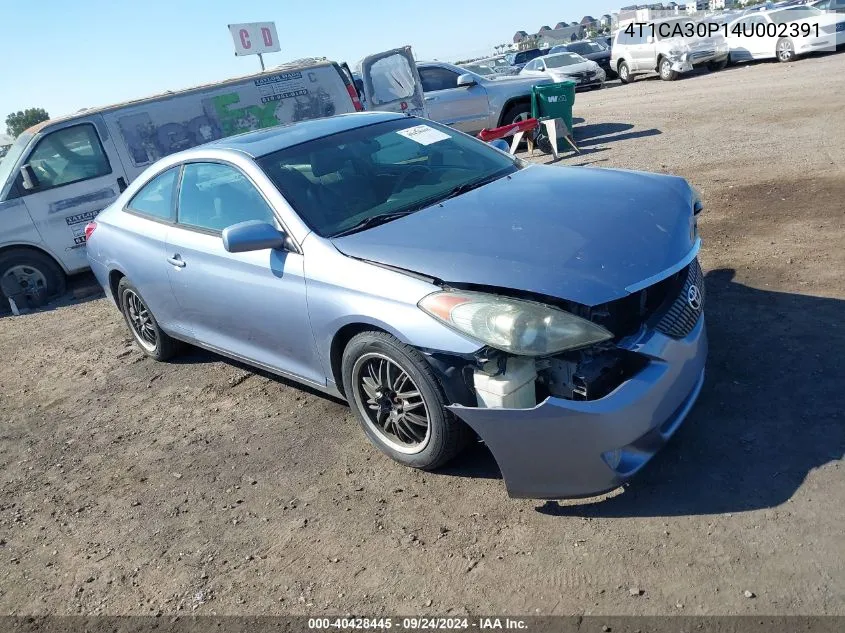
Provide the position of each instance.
(17, 122)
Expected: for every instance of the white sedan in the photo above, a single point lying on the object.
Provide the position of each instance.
(567, 66)
(784, 34)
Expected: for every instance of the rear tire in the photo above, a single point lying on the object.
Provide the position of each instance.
(444, 435)
(665, 70)
(785, 51)
(38, 277)
(624, 73)
(152, 340)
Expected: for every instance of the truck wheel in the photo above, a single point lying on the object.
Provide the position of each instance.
(624, 72)
(29, 277)
(666, 72)
(785, 50)
(399, 402)
(517, 112)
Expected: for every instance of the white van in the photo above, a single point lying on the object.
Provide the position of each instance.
(60, 174)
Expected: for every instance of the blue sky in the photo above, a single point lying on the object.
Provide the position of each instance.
(65, 55)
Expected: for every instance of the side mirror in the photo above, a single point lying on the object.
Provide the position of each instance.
(30, 180)
(466, 80)
(254, 235)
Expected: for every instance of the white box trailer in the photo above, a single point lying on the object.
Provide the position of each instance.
(60, 174)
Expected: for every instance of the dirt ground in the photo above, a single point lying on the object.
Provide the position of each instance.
(198, 486)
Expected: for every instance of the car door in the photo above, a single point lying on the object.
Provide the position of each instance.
(747, 39)
(248, 305)
(76, 177)
(391, 82)
(466, 108)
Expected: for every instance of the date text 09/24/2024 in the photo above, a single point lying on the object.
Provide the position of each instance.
(666, 30)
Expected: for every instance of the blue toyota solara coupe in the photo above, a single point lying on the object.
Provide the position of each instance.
(444, 288)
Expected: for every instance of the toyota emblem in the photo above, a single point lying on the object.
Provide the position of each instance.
(694, 297)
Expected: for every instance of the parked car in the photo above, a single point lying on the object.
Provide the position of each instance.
(566, 66)
(594, 51)
(471, 102)
(59, 174)
(518, 59)
(499, 64)
(837, 6)
(641, 52)
(397, 263)
(806, 30)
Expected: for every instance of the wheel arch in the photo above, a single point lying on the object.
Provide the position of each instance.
(522, 99)
(34, 247)
(339, 342)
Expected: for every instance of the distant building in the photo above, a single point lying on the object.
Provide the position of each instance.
(697, 7)
(519, 36)
(721, 5)
(606, 21)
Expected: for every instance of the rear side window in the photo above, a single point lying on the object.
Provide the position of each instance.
(213, 196)
(69, 155)
(155, 199)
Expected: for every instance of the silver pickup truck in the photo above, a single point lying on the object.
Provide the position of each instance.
(470, 102)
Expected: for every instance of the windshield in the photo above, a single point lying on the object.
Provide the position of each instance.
(478, 69)
(563, 59)
(7, 163)
(794, 13)
(586, 48)
(399, 166)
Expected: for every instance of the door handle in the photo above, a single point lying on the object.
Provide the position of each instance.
(176, 260)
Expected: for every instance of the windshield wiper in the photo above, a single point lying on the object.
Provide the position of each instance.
(373, 220)
(469, 186)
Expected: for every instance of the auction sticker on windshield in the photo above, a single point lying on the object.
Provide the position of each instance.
(423, 134)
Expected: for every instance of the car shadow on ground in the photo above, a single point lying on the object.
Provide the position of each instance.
(605, 133)
(772, 410)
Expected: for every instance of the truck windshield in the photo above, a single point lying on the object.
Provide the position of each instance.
(7, 163)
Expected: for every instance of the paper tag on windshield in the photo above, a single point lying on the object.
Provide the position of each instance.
(423, 134)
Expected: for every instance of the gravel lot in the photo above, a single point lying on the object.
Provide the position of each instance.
(198, 486)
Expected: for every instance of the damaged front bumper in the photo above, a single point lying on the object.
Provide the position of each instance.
(565, 448)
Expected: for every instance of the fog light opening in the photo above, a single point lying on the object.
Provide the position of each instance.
(612, 458)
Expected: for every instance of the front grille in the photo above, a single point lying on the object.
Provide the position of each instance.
(682, 315)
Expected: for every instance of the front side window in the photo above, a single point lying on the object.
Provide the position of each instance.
(390, 168)
(791, 14)
(213, 196)
(434, 78)
(155, 199)
(69, 155)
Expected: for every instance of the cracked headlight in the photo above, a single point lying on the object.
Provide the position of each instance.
(524, 328)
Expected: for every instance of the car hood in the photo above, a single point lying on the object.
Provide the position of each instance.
(580, 234)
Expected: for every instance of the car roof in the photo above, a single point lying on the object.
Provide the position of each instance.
(261, 142)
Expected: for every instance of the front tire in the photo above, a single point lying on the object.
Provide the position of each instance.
(399, 402)
(516, 113)
(624, 72)
(31, 276)
(152, 340)
(785, 51)
(665, 69)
